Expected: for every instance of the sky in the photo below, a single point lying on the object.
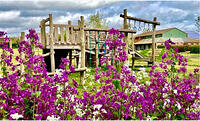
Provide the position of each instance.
(20, 15)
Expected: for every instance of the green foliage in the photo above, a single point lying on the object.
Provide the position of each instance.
(145, 52)
(183, 48)
(195, 49)
(97, 21)
(160, 46)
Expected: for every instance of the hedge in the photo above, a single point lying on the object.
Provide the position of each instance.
(183, 48)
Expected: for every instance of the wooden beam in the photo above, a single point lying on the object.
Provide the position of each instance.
(10, 43)
(140, 19)
(42, 33)
(106, 30)
(153, 41)
(125, 25)
(51, 43)
(62, 34)
(82, 40)
(46, 20)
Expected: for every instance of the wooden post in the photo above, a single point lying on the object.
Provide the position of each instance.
(10, 43)
(42, 34)
(96, 48)
(78, 37)
(22, 55)
(153, 41)
(82, 40)
(51, 44)
(133, 50)
(70, 31)
(126, 35)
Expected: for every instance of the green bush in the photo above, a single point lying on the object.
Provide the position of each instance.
(181, 48)
(194, 48)
(160, 46)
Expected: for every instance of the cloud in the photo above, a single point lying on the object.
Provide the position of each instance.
(20, 15)
(9, 15)
(56, 5)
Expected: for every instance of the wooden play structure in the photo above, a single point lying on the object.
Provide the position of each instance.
(139, 20)
(86, 45)
(62, 39)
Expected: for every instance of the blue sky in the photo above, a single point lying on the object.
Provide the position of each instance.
(20, 15)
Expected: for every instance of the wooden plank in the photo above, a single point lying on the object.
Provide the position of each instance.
(55, 34)
(87, 39)
(96, 48)
(78, 34)
(140, 19)
(62, 34)
(51, 44)
(106, 30)
(42, 33)
(47, 38)
(67, 34)
(68, 46)
(82, 39)
(125, 25)
(153, 41)
(70, 31)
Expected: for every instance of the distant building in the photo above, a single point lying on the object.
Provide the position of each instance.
(144, 40)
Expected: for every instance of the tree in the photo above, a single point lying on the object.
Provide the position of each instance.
(97, 21)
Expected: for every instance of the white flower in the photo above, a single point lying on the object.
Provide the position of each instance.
(135, 88)
(142, 69)
(134, 109)
(72, 98)
(83, 82)
(16, 116)
(79, 112)
(59, 96)
(139, 77)
(149, 118)
(96, 113)
(84, 87)
(58, 72)
(165, 95)
(91, 83)
(141, 93)
(175, 91)
(88, 70)
(147, 82)
(169, 115)
(103, 110)
(98, 106)
(52, 118)
(178, 105)
(126, 90)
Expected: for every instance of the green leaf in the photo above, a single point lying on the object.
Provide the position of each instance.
(37, 94)
(116, 83)
(180, 116)
(115, 113)
(32, 94)
(24, 86)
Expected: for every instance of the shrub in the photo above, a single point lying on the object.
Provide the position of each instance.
(194, 48)
(160, 46)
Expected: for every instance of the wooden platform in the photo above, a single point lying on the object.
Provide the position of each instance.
(143, 59)
(62, 46)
